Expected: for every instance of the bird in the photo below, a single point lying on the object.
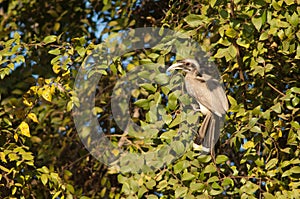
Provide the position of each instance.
(211, 98)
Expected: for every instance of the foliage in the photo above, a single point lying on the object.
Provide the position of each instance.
(255, 45)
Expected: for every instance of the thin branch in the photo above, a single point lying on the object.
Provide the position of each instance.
(278, 91)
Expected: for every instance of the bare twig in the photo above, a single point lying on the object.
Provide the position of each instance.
(278, 91)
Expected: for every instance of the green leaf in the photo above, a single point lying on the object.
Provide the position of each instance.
(215, 192)
(224, 14)
(84, 197)
(204, 158)
(49, 39)
(179, 166)
(249, 187)
(257, 22)
(295, 90)
(181, 192)
(221, 159)
(242, 43)
(232, 51)
(176, 121)
(227, 181)
(143, 103)
(221, 52)
(294, 19)
(141, 191)
(268, 196)
(212, 3)
(178, 147)
(56, 194)
(210, 169)
(151, 116)
(263, 36)
(44, 178)
(256, 129)
(169, 134)
(150, 184)
(162, 78)
(187, 176)
(271, 164)
(162, 184)
(295, 101)
(148, 87)
(276, 108)
(230, 32)
(213, 179)
(232, 101)
(196, 186)
(55, 51)
(192, 119)
(193, 20)
(295, 169)
(289, 2)
(167, 119)
(81, 51)
(172, 101)
(151, 196)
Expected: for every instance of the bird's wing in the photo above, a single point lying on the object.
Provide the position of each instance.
(218, 92)
(209, 93)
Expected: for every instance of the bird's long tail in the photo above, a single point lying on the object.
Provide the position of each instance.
(209, 131)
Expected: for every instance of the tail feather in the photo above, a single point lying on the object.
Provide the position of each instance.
(203, 128)
(209, 131)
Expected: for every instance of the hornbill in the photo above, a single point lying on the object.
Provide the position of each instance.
(210, 95)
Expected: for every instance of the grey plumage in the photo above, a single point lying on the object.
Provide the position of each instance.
(210, 95)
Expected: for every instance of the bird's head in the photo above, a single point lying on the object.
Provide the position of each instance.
(187, 65)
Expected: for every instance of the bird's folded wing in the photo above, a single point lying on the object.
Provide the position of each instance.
(210, 94)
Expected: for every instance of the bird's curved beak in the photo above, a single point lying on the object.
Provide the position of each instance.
(175, 66)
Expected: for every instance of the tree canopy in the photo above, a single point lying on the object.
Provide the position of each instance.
(43, 46)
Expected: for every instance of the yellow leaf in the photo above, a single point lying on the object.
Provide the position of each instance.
(56, 26)
(280, 134)
(4, 169)
(56, 68)
(16, 137)
(115, 152)
(26, 102)
(147, 37)
(48, 81)
(24, 128)
(2, 157)
(47, 95)
(33, 117)
(248, 145)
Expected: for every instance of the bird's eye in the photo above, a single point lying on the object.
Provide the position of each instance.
(188, 64)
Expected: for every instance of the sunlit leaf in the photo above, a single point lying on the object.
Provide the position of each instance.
(46, 94)
(248, 144)
(24, 128)
(49, 39)
(33, 117)
(193, 20)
